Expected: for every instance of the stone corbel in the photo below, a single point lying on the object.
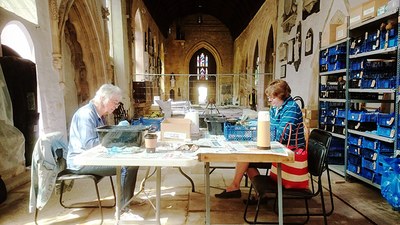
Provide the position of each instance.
(289, 23)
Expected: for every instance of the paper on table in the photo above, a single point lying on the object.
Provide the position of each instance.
(247, 146)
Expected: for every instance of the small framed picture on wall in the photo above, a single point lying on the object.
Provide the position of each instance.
(283, 71)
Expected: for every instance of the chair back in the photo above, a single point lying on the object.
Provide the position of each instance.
(316, 157)
(321, 136)
(318, 145)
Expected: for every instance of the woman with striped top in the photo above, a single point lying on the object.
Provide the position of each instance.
(283, 110)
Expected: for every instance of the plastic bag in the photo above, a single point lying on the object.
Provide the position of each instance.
(390, 184)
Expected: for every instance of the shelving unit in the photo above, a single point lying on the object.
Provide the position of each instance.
(372, 105)
(332, 100)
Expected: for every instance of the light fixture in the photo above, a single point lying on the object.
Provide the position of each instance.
(200, 19)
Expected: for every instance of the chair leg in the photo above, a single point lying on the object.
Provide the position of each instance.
(247, 205)
(115, 196)
(323, 205)
(99, 201)
(36, 215)
(187, 177)
(330, 192)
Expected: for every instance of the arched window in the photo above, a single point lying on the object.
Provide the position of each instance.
(202, 66)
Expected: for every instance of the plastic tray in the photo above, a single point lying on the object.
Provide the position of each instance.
(240, 132)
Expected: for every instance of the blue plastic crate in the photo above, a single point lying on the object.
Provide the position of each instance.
(380, 161)
(368, 83)
(386, 131)
(385, 147)
(369, 143)
(355, 150)
(338, 65)
(367, 174)
(240, 132)
(330, 120)
(377, 178)
(386, 83)
(330, 112)
(385, 119)
(368, 164)
(337, 144)
(354, 159)
(362, 116)
(369, 154)
(339, 121)
(354, 139)
(353, 168)
(340, 113)
(155, 123)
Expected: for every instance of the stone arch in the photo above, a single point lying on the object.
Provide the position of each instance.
(139, 46)
(94, 61)
(210, 48)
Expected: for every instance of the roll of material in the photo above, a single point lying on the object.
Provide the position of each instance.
(194, 117)
(263, 131)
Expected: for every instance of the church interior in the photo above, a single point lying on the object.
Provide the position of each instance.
(170, 57)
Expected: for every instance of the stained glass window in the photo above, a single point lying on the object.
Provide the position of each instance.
(202, 66)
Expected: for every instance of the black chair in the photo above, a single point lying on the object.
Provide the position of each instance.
(52, 146)
(318, 145)
(66, 175)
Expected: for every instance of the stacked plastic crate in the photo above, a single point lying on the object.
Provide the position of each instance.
(333, 59)
(366, 153)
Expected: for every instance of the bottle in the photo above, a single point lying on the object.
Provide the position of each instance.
(263, 131)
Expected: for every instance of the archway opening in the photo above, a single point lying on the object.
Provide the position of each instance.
(202, 78)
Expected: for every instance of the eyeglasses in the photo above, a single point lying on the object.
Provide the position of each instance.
(115, 102)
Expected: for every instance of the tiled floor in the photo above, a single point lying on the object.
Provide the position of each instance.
(355, 203)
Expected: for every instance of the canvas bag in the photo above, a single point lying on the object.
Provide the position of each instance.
(294, 175)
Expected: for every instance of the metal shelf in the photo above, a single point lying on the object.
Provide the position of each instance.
(339, 169)
(334, 72)
(331, 100)
(391, 50)
(363, 179)
(370, 90)
(338, 135)
(370, 135)
(355, 31)
(376, 19)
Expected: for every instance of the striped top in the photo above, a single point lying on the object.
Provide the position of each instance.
(288, 112)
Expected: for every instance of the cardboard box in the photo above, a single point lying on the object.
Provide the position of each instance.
(356, 15)
(175, 129)
(311, 123)
(329, 35)
(312, 114)
(341, 32)
(370, 8)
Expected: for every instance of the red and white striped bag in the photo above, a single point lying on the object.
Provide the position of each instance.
(294, 175)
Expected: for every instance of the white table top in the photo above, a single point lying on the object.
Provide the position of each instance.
(167, 155)
(137, 157)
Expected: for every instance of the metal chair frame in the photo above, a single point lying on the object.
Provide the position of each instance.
(69, 175)
(319, 142)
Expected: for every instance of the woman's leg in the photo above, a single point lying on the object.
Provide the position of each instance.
(240, 169)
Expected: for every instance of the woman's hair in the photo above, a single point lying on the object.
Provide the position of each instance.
(106, 92)
(279, 89)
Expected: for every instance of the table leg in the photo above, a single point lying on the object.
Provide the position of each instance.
(158, 194)
(280, 199)
(118, 195)
(207, 192)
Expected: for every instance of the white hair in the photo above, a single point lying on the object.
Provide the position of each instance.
(106, 92)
